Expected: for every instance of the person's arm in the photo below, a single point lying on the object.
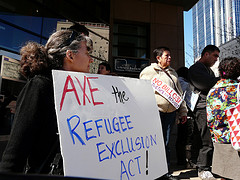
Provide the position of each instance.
(183, 107)
(24, 130)
(201, 78)
(210, 117)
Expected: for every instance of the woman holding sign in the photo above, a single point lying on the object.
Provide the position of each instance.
(168, 94)
(33, 143)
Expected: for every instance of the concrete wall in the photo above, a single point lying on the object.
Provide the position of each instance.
(166, 24)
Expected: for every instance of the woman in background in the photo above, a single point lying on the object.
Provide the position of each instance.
(222, 96)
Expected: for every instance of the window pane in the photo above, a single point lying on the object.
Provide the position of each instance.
(14, 39)
(130, 41)
(130, 29)
(129, 52)
(27, 22)
(49, 26)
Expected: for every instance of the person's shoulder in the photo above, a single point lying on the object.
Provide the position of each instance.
(196, 66)
(40, 81)
(148, 72)
(150, 68)
(170, 69)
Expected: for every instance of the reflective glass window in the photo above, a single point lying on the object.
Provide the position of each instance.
(13, 38)
(27, 22)
(131, 40)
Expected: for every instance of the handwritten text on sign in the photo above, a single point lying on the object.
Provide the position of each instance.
(167, 92)
(104, 132)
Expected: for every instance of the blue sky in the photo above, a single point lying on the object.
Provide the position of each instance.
(188, 38)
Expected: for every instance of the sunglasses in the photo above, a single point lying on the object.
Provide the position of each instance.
(72, 37)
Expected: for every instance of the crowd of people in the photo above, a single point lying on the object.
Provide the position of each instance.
(34, 143)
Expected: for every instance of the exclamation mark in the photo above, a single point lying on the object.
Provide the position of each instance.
(147, 162)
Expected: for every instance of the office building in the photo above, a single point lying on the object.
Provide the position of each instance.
(214, 22)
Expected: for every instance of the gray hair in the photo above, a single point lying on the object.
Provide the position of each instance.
(61, 41)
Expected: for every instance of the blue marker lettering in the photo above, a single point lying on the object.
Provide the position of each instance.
(132, 149)
(87, 130)
(123, 172)
(114, 127)
(147, 142)
(100, 152)
(109, 131)
(121, 123)
(137, 158)
(129, 168)
(153, 140)
(111, 150)
(123, 148)
(72, 131)
(98, 126)
(117, 148)
(138, 143)
(128, 122)
(142, 142)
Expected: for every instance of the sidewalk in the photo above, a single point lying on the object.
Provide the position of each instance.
(184, 174)
(180, 171)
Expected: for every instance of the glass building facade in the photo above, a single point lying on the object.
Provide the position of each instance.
(214, 22)
(16, 30)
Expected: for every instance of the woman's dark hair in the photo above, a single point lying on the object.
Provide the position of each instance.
(229, 68)
(37, 59)
(159, 51)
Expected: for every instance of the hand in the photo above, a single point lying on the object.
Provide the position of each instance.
(184, 119)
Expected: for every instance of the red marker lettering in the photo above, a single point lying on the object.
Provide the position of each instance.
(84, 88)
(93, 90)
(65, 90)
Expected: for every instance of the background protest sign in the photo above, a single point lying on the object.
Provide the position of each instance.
(109, 127)
(191, 97)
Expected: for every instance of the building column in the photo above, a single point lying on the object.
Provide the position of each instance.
(229, 19)
(217, 23)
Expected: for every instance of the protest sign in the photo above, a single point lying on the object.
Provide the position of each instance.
(109, 127)
(191, 97)
(167, 92)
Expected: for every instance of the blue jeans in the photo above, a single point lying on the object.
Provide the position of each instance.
(167, 120)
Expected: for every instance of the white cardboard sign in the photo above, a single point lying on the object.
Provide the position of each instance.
(109, 127)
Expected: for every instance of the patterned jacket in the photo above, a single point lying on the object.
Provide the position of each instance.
(222, 96)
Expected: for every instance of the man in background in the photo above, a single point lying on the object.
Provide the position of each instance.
(203, 79)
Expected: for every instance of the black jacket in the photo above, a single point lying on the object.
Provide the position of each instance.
(34, 131)
(203, 79)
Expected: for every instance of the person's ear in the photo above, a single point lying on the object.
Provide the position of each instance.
(158, 58)
(207, 54)
(69, 55)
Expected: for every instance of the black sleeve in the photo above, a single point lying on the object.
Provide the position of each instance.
(28, 118)
(201, 77)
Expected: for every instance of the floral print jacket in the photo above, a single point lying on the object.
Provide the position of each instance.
(222, 96)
